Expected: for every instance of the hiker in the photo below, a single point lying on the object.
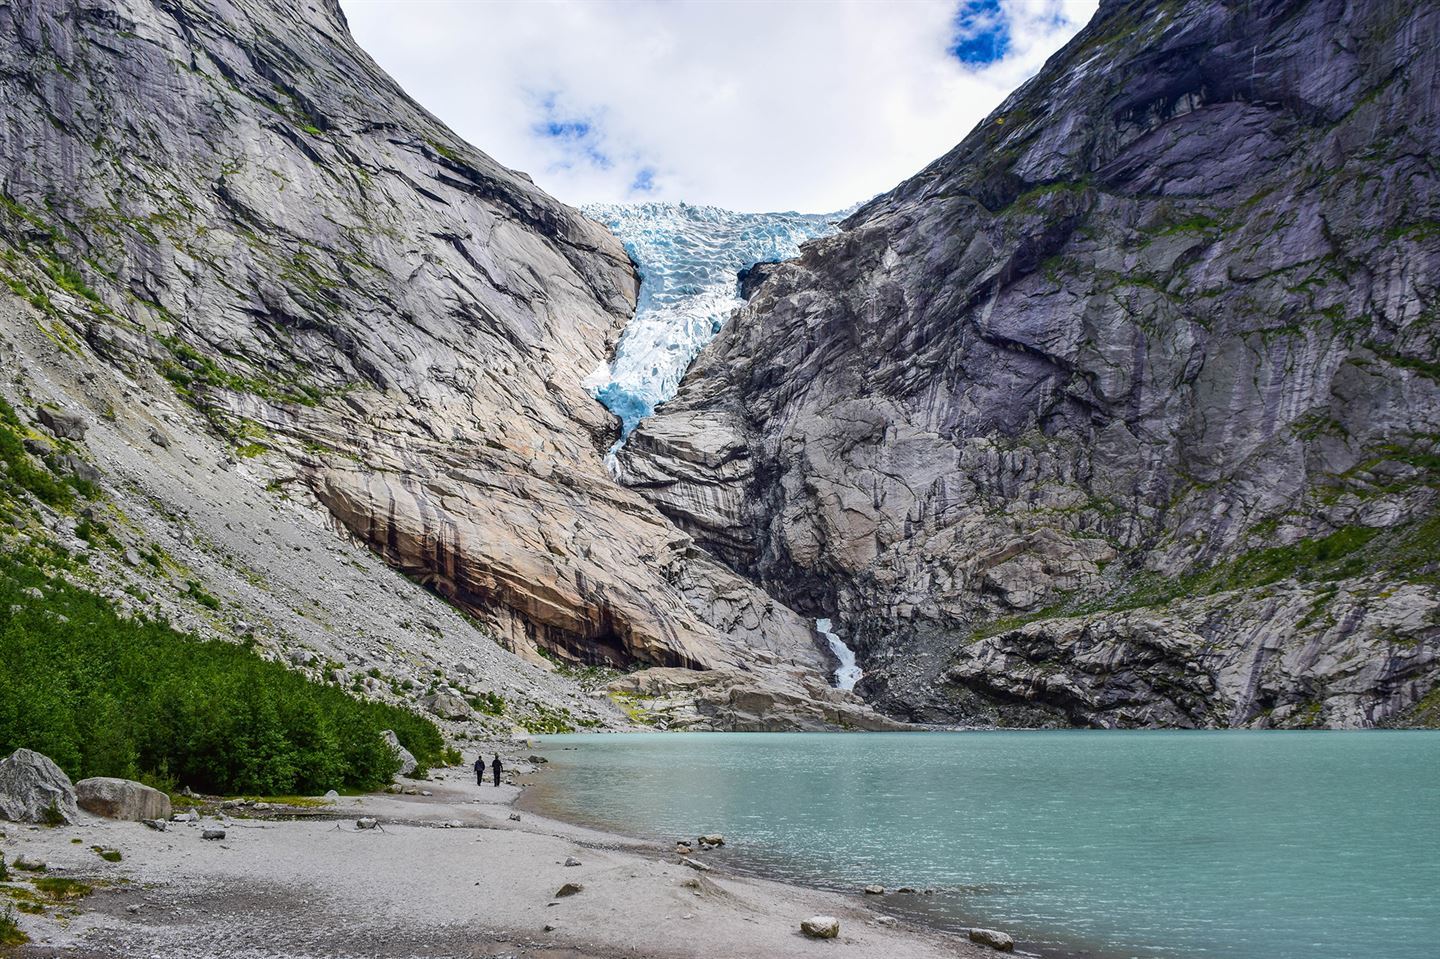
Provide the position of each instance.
(480, 769)
(497, 767)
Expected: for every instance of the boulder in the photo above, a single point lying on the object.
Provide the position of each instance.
(407, 760)
(821, 927)
(366, 823)
(213, 834)
(993, 938)
(331, 796)
(447, 705)
(121, 799)
(34, 789)
(70, 426)
(714, 839)
(874, 890)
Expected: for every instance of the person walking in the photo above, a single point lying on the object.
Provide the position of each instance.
(496, 767)
(480, 769)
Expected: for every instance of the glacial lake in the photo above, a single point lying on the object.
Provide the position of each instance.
(1241, 845)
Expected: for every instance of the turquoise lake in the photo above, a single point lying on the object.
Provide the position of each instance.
(1274, 845)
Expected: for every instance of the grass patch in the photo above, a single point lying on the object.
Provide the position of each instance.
(10, 934)
(61, 889)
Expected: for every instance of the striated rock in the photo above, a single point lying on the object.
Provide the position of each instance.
(821, 927)
(33, 789)
(302, 254)
(993, 939)
(121, 799)
(1159, 331)
(725, 699)
(407, 759)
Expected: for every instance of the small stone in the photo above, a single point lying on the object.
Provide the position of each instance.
(133, 908)
(29, 863)
(213, 834)
(874, 890)
(514, 817)
(569, 889)
(191, 816)
(695, 864)
(908, 889)
(159, 825)
(821, 927)
(683, 849)
(572, 861)
(551, 927)
(332, 796)
(366, 823)
(992, 938)
(714, 839)
(889, 921)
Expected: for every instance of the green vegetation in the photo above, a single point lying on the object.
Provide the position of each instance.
(61, 889)
(109, 855)
(10, 934)
(1410, 552)
(103, 695)
(491, 704)
(20, 474)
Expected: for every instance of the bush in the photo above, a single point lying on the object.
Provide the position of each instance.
(102, 695)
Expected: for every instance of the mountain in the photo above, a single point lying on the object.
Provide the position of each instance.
(279, 301)
(1124, 412)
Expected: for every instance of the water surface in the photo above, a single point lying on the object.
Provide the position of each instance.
(1303, 845)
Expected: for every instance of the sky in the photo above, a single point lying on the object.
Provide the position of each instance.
(755, 106)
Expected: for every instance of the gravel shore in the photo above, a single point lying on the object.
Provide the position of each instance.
(449, 874)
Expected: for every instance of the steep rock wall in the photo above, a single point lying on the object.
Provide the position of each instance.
(228, 200)
(1126, 410)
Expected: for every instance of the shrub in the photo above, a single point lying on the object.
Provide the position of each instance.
(10, 934)
(103, 695)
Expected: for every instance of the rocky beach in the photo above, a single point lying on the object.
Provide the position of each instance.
(450, 870)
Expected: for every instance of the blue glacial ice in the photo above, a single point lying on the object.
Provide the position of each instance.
(688, 258)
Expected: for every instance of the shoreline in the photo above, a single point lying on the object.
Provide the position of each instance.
(448, 874)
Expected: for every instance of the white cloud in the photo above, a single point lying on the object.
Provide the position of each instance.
(750, 106)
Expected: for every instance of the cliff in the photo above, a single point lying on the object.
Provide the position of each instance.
(1125, 411)
(278, 296)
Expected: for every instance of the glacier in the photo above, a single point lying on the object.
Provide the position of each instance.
(688, 258)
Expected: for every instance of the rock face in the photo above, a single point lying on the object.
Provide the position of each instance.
(34, 789)
(121, 799)
(731, 700)
(230, 205)
(1127, 410)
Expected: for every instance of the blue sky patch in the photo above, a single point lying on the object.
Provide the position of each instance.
(982, 33)
(644, 181)
(576, 135)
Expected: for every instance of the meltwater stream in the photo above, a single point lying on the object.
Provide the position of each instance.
(688, 257)
(1158, 845)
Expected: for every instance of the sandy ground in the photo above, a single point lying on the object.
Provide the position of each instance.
(446, 875)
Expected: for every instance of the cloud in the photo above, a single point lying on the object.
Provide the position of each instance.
(784, 105)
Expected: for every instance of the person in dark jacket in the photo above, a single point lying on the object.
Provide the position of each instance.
(497, 767)
(480, 770)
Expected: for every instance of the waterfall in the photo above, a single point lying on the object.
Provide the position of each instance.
(848, 674)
